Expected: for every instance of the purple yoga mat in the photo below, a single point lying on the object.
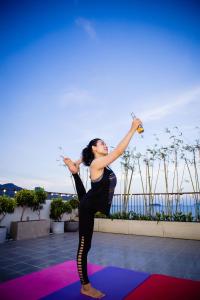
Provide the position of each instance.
(41, 283)
(115, 282)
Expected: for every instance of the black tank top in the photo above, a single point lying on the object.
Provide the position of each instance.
(102, 191)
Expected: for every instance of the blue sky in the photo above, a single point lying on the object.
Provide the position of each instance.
(71, 71)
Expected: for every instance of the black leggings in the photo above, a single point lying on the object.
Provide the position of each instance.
(86, 225)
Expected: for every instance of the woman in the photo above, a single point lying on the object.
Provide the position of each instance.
(98, 198)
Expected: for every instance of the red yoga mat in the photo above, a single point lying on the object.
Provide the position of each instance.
(163, 287)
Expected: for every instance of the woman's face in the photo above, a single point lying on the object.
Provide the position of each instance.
(101, 147)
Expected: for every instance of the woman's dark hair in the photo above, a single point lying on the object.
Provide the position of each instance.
(87, 153)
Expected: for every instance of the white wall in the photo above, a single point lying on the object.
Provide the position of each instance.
(44, 214)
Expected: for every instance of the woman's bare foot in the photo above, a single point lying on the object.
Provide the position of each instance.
(72, 166)
(88, 290)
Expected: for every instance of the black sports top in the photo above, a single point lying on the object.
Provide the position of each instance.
(102, 191)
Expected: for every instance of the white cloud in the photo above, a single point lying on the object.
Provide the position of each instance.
(174, 103)
(76, 97)
(87, 27)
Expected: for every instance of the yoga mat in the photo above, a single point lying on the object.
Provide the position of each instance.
(115, 282)
(163, 287)
(43, 282)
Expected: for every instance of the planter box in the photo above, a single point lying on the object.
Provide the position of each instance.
(71, 226)
(181, 230)
(21, 230)
(149, 228)
(3, 232)
(114, 226)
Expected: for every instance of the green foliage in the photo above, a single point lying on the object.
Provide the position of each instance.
(100, 215)
(176, 217)
(120, 215)
(25, 198)
(74, 202)
(133, 215)
(67, 208)
(179, 217)
(58, 208)
(189, 217)
(7, 205)
(40, 197)
(145, 217)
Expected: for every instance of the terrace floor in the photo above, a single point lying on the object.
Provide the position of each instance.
(175, 257)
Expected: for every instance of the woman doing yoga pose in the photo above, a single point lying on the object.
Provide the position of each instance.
(98, 198)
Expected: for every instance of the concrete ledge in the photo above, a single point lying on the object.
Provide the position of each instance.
(150, 228)
(181, 230)
(114, 226)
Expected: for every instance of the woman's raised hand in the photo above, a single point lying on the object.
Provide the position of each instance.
(135, 123)
(72, 166)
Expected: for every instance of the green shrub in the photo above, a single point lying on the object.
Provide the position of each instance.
(74, 202)
(25, 198)
(189, 217)
(98, 214)
(7, 206)
(131, 215)
(67, 207)
(145, 217)
(58, 208)
(40, 197)
(179, 217)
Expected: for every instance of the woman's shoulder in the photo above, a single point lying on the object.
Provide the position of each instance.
(93, 165)
(97, 173)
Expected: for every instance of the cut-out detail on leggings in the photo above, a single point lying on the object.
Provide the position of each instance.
(79, 260)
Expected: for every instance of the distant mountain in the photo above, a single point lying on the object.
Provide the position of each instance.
(9, 188)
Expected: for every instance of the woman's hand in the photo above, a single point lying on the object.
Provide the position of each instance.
(79, 161)
(72, 166)
(135, 123)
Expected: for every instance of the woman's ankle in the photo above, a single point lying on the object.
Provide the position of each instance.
(86, 286)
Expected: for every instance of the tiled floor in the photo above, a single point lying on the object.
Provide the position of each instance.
(175, 257)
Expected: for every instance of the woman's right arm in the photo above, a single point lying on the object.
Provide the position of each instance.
(101, 162)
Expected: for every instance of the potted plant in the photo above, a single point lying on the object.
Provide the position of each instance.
(57, 210)
(73, 223)
(7, 205)
(40, 197)
(26, 229)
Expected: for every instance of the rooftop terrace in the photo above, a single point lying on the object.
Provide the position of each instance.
(175, 257)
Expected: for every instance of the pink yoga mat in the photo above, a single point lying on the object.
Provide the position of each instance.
(41, 283)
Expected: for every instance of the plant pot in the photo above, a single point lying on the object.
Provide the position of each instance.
(21, 230)
(58, 227)
(71, 226)
(3, 231)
